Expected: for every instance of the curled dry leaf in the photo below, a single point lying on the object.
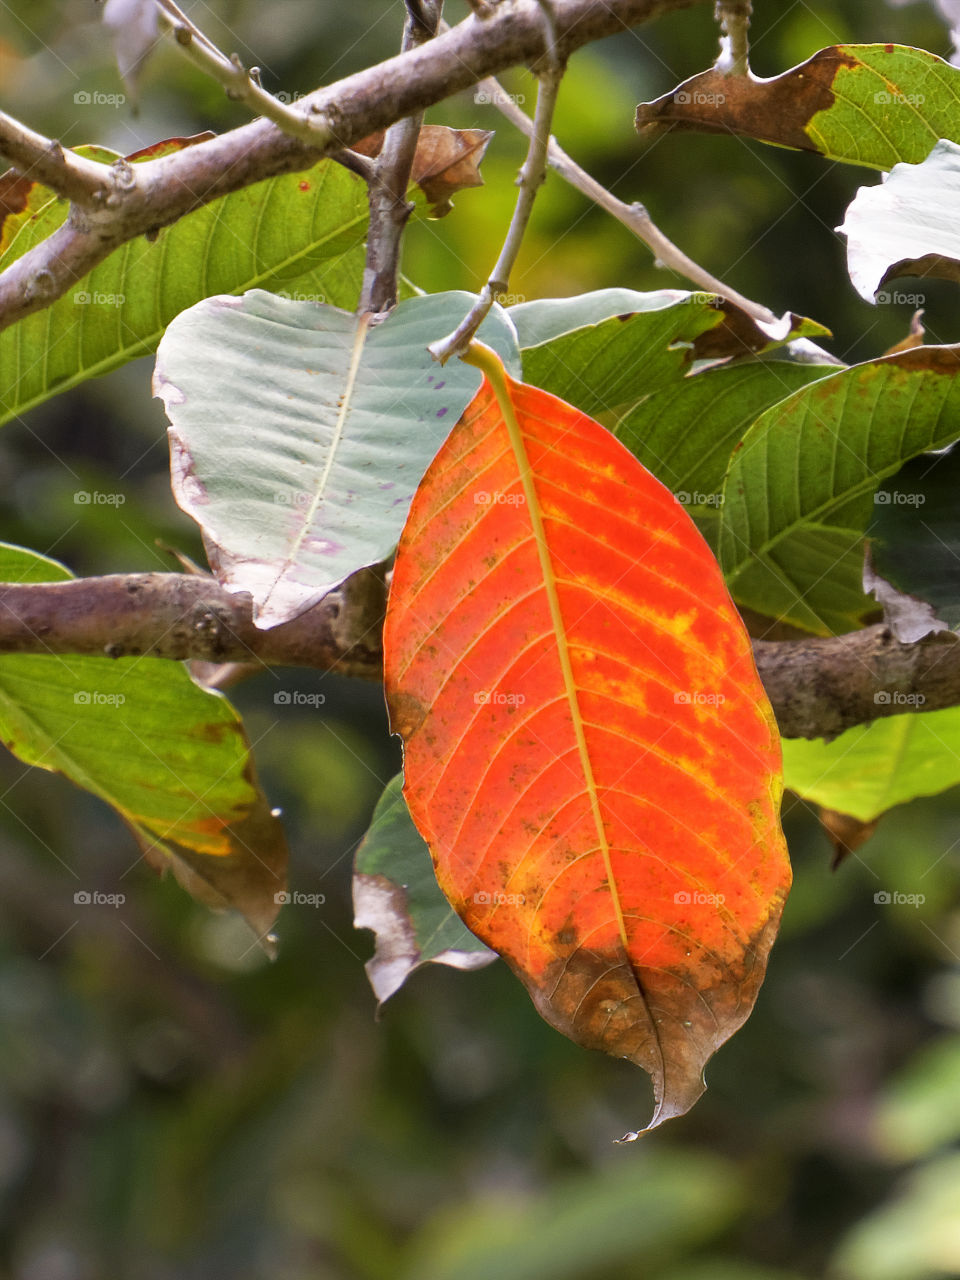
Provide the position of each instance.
(846, 833)
(446, 161)
(588, 750)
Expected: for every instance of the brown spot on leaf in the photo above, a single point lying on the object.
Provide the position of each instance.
(666, 1022)
(940, 360)
(407, 714)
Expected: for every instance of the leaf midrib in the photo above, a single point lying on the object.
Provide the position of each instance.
(491, 366)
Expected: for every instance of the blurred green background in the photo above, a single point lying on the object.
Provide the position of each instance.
(173, 1107)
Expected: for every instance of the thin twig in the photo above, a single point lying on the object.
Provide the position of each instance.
(389, 208)
(530, 179)
(242, 84)
(734, 19)
(44, 160)
(633, 216)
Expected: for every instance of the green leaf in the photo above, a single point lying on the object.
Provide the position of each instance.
(866, 104)
(300, 433)
(686, 432)
(907, 225)
(915, 544)
(608, 348)
(799, 492)
(173, 759)
(395, 893)
(872, 767)
(301, 232)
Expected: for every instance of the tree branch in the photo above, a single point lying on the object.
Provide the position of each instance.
(821, 686)
(161, 191)
(389, 208)
(818, 687)
(181, 616)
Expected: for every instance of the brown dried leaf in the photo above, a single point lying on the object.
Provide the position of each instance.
(846, 833)
(776, 110)
(446, 161)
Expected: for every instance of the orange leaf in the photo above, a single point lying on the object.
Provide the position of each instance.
(589, 752)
